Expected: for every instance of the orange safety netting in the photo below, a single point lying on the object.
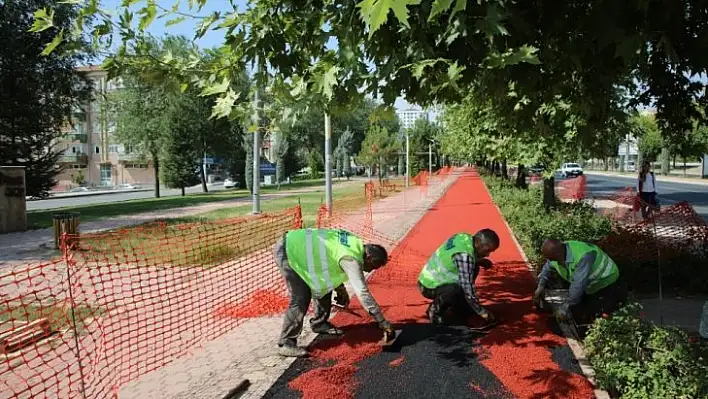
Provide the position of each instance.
(665, 245)
(120, 304)
(571, 189)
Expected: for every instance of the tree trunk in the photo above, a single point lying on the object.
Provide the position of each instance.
(684, 167)
(156, 168)
(674, 162)
(204, 181)
(549, 192)
(665, 161)
(505, 172)
(521, 177)
(183, 192)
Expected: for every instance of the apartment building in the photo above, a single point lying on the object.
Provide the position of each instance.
(91, 156)
(408, 117)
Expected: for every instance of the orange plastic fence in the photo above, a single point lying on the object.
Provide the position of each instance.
(571, 189)
(666, 245)
(118, 305)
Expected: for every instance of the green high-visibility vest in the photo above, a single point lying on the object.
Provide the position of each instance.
(314, 254)
(603, 273)
(441, 269)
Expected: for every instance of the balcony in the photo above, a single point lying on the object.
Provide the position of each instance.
(80, 137)
(74, 158)
(131, 157)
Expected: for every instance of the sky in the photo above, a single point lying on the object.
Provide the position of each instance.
(210, 39)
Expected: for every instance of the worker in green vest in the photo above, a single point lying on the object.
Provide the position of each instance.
(593, 277)
(316, 262)
(449, 275)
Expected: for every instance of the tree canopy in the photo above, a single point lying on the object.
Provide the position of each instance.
(40, 91)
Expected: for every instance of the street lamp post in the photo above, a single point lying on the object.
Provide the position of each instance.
(408, 160)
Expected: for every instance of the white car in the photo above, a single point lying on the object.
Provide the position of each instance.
(128, 186)
(229, 183)
(571, 169)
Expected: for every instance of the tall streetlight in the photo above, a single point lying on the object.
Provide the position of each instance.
(257, 146)
(408, 160)
(328, 163)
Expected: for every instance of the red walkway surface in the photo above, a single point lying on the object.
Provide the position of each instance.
(521, 358)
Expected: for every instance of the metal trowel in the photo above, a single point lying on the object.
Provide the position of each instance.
(388, 341)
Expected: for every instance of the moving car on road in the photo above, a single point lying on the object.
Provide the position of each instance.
(571, 169)
(229, 183)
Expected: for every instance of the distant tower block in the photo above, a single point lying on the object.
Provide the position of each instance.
(13, 202)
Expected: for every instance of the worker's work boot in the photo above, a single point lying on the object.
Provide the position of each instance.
(292, 351)
(327, 329)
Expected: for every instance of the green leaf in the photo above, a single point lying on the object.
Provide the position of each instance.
(42, 20)
(329, 81)
(224, 105)
(374, 13)
(439, 7)
(174, 21)
(54, 43)
(183, 87)
(148, 15)
(217, 88)
(206, 24)
(128, 3)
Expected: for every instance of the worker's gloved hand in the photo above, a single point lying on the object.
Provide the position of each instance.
(562, 315)
(341, 297)
(488, 317)
(388, 333)
(538, 296)
(484, 263)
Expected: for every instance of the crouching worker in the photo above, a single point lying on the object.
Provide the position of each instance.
(315, 262)
(593, 277)
(449, 275)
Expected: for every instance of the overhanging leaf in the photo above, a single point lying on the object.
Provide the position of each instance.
(148, 14)
(439, 7)
(174, 21)
(54, 43)
(216, 88)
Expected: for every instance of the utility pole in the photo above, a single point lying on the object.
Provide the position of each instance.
(328, 163)
(408, 160)
(257, 145)
(430, 158)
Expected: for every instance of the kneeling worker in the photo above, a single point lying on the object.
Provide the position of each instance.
(592, 275)
(316, 262)
(449, 275)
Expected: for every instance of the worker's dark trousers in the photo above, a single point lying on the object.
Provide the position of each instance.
(300, 296)
(607, 300)
(448, 297)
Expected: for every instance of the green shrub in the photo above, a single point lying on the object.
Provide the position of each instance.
(634, 358)
(532, 224)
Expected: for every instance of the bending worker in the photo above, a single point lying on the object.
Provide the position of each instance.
(449, 275)
(592, 275)
(316, 262)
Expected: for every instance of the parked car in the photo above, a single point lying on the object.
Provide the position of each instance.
(79, 190)
(128, 186)
(230, 183)
(571, 170)
(537, 169)
(631, 166)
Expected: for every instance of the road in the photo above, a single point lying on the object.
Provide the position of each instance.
(669, 192)
(52, 203)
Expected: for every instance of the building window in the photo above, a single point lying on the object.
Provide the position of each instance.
(135, 166)
(97, 150)
(113, 148)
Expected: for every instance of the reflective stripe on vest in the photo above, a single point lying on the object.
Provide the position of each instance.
(440, 268)
(314, 254)
(602, 273)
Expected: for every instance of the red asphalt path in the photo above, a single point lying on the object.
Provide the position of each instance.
(519, 352)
